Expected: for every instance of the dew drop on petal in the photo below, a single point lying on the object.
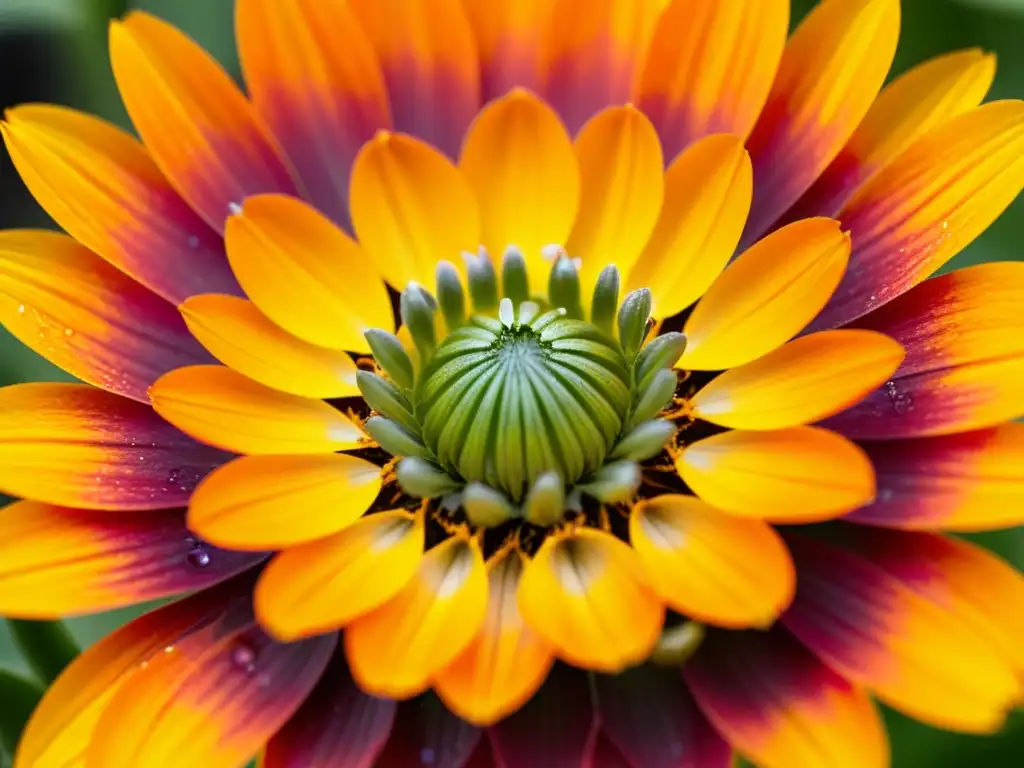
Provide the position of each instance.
(198, 555)
(427, 756)
(193, 242)
(243, 657)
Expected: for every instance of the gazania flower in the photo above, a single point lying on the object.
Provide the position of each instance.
(519, 384)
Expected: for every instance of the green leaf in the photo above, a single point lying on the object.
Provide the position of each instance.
(19, 696)
(46, 646)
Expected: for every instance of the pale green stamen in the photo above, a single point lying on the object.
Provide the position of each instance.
(523, 405)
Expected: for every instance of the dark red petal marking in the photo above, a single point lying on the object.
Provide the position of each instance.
(427, 735)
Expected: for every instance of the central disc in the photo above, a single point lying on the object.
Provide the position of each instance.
(503, 402)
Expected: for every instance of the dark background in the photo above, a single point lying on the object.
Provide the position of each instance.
(55, 51)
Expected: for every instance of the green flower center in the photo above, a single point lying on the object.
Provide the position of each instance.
(522, 406)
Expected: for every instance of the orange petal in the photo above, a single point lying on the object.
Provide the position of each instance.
(594, 53)
(710, 67)
(305, 274)
(321, 94)
(224, 408)
(971, 481)
(193, 119)
(100, 185)
(699, 225)
(511, 51)
(800, 382)
(766, 296)
(59, 731)
(982, 589)
(240, 336)
(397, 649)
(781, 707)
(797, 475)
(520, 162)
(251, 502)
(709, 566)
(429, 59)
(215, 697)
(927, 205)
(506, 662)
(832, 69)
(964, 369)
(622, 180)
(57, 562)
(77, 446)
(81, 314)
(585, 593)
(326, 584)
(915, 102)
(925, 658)
(411, 208)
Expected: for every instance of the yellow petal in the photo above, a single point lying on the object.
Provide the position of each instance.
(305, 274)
(520, 161)
(224, 408)
(261, 503)
(800, 382)
(622, 181)
(397, 649)
(240, 336)
(585, 593)
(710, 67)
(699, 226)
(411, 208)
(767, 296)
(506, 662)
(198, 126)
(709, 566)
(798, 475)
(324, 585)
(831, 70)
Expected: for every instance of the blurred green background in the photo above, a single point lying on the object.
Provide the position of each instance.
(55, 51)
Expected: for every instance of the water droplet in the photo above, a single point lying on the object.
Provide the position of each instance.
(427, 756)
(193, 242)
(884, 495)
(170, 649)
(198, 556)
(69, 332)
(244, 657)
(21, 309)
(263, 680)
(173, 476)
(901, 402)
(234, 209)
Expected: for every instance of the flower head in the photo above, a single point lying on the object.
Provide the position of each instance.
(524, 383)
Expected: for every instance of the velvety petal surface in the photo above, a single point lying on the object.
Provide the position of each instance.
(427, 734)
(832, 68)
(338, 726)
(710, 67)
(222, 407)
(798, 475)
(62, 725)
(239, 335)
(100, 185)
(586, 594)
(56, 561)
(74, 445)
(914, 654)
(781, 707)
(709, 566)
(929, 203)
(699, 225)
(272, 502)
(801, 382)
(915, 102)
(316, 81)
(324, 585)
(218, 695)
(964, 367)
(428, 57)
(971, 481)
(651, 718)
(64, 302)
(766, 296)
(198, 126)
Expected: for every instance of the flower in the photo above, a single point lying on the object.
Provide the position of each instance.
(600, 493)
